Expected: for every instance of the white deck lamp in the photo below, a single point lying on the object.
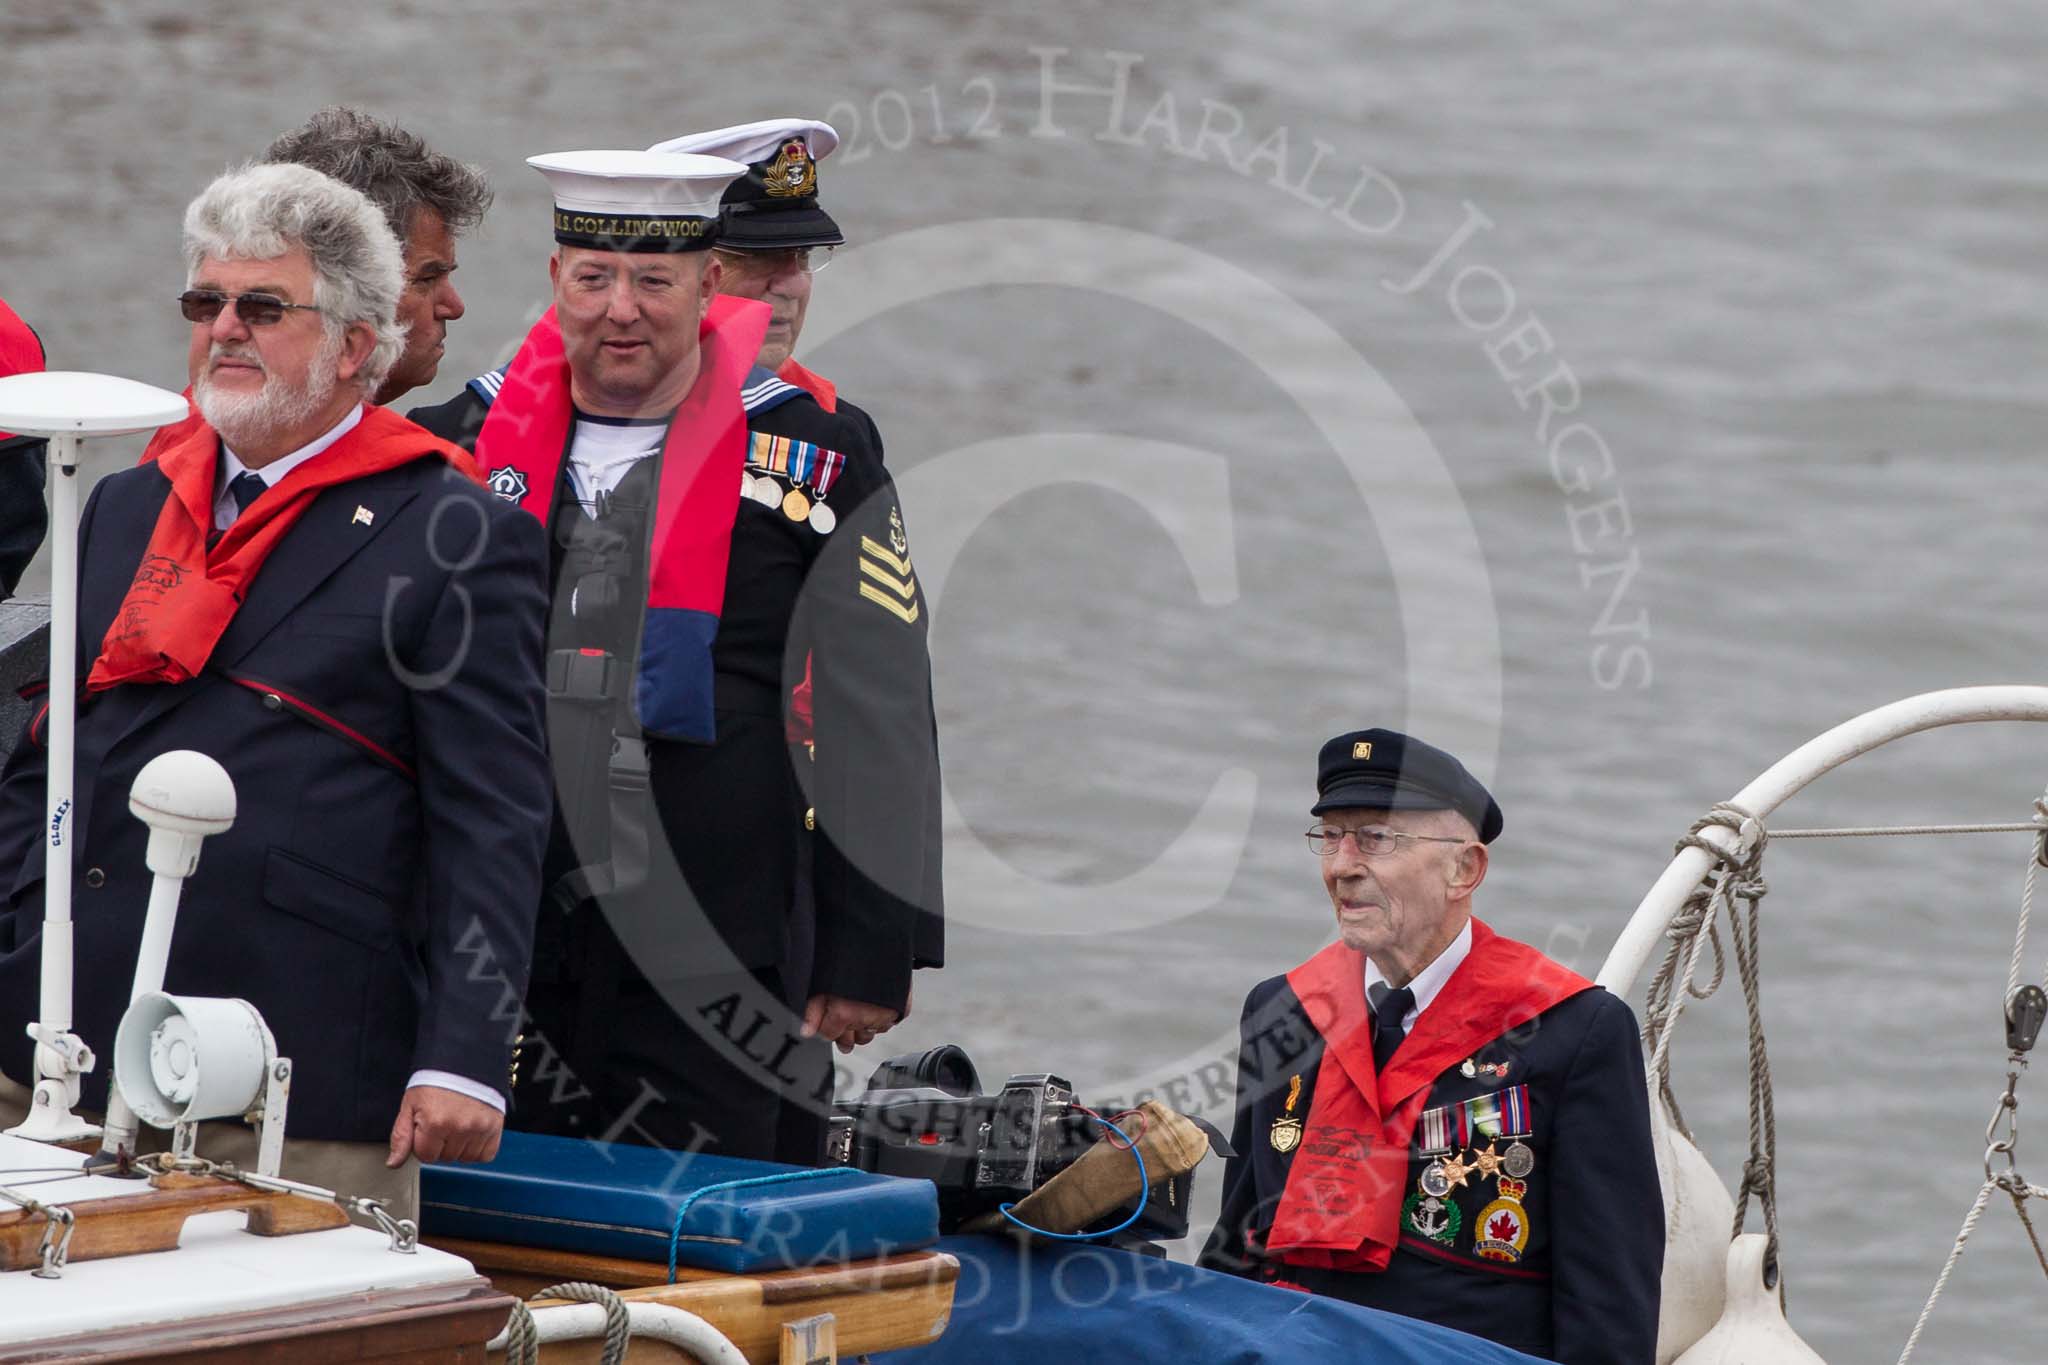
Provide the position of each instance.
(67, 407)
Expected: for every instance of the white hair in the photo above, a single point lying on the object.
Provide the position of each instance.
(260, 212)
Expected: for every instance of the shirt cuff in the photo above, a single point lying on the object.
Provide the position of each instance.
(461, 1085)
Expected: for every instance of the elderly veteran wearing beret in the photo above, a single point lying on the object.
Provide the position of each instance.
(1433, 1119)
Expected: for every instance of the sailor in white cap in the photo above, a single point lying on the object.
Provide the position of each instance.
(701, 559)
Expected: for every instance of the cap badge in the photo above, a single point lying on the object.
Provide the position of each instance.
(792, 174)
(1362, 749)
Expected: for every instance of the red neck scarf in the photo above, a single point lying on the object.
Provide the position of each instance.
(184, 595)
(1341, 1208)
(166, 437)
(22, 353)
(811, 382)
(524, 443)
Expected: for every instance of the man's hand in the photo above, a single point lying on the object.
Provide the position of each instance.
(848, 1023)
(440, 1125)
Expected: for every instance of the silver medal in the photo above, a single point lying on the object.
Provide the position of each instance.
(1518, 1160)
(766, 492)
(823, 519)
(1434, 1182)
(746, 484)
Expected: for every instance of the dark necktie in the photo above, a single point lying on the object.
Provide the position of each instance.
(1389, 1008)
(246, 487)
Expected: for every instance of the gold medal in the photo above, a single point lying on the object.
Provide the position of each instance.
(1456, 1171)
(795, 505)
(1487, 1162)
(1286, 1134)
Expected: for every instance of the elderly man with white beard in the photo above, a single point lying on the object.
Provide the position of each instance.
(319, 594)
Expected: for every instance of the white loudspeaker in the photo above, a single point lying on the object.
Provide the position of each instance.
(184, 1058)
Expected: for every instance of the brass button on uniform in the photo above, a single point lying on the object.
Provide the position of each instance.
(811, 817)
(95, 878)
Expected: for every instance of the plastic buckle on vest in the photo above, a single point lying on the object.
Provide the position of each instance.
(628, 764)
(580, 675)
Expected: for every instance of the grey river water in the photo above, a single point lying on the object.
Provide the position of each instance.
(1204, 463)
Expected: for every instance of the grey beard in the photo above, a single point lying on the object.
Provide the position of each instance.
(246, 419)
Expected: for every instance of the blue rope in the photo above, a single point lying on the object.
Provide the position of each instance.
(675, 1234)
(1144, 1194)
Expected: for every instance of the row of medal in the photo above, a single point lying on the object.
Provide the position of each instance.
(799, 462)
(1503, 1230)
(1502, 1116)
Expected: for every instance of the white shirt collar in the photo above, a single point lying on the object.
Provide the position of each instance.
(1430, 980)
(231, 466)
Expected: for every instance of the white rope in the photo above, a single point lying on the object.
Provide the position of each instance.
(1878, 831)
(1941, 1281)
(2008, 1180)
(2019, 942)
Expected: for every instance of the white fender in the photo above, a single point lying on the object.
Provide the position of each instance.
(1697, 1216)
(1752, 1329)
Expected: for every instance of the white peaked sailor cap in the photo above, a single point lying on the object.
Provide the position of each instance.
(636, 201)
(774, 206)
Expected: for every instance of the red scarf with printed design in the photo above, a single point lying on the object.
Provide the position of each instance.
(1342, 1206)
(184, 594)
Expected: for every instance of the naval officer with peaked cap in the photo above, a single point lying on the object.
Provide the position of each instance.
(774, 236)
(710, 531)
(1433, 1119)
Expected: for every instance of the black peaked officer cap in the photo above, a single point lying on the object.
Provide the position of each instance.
(774, 206)
(1387, 770)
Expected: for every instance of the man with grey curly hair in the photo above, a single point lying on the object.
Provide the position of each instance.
(428, 199)
(321, 594)
(253, 230)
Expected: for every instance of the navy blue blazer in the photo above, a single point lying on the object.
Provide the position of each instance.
(378, 701)
(22, 518)
(1583, 1283)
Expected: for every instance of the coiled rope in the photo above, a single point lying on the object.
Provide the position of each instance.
(1735, 875)
(522, 1337)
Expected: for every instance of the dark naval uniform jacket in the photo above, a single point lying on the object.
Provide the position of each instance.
(1564, 1263)
(744, 814)
(377, 699)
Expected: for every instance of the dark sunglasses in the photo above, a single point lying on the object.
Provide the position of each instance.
(256, 310)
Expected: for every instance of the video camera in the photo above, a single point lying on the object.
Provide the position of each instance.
(923, 1116)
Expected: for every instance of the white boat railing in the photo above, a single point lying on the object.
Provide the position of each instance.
(1789, 775)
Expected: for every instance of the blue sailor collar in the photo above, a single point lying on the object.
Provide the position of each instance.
(760, 391)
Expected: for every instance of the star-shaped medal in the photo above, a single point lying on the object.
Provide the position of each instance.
(1487, 1162)
(1455, 1170)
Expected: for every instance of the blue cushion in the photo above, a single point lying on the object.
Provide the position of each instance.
(616, 1199)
